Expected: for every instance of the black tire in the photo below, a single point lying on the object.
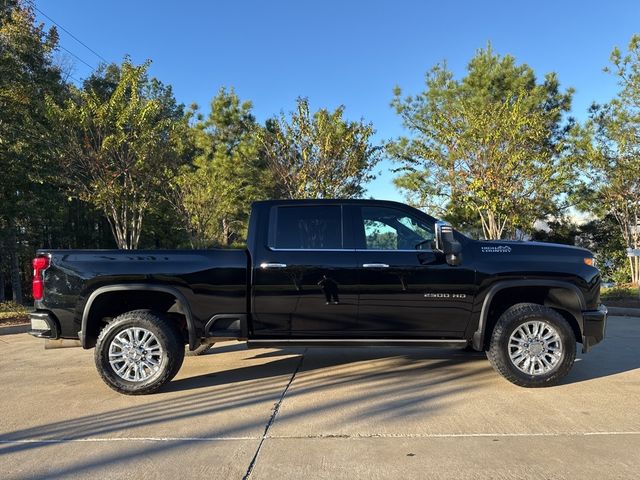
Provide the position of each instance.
(200, 350)
(499, 349)
(169, 338)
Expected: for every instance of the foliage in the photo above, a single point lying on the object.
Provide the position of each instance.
(122, 133)
(607, 150)
(319, 155)
(561, 231)
(621, 292)
(12, 310)
(600, 235)
(489, 143)
(163, 227)
(214, 194)
(27, 76)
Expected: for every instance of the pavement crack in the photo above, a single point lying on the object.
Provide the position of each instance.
(272, 418)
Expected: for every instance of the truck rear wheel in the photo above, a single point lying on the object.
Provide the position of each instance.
(532, 346)
(138, 352)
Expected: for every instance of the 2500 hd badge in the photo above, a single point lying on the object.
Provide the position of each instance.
(445, 295)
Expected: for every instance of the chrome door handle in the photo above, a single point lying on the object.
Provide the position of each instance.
(375, 265)
(272, 265)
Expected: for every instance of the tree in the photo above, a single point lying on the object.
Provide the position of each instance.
(489, 145)
(27, 76)
(319, 155)
(607, 148)
(123, 133)
(214, 194)
(562, 230)
(603, 237)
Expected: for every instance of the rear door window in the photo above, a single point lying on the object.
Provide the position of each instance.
(307, 227)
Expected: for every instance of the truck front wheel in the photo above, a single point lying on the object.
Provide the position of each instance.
(532, 346)
(138, 352)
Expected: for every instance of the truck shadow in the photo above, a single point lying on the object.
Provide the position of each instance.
(616, 354)
(417, 360)
(196, 403)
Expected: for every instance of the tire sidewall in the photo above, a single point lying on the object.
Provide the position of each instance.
(171, 348)
(511, 323)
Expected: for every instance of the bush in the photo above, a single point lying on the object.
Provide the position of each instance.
(12, 310)
(619, 292)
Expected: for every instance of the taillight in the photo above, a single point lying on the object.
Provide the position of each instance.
(40, 264)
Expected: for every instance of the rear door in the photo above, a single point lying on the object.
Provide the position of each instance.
(407, 289)
(305, 278)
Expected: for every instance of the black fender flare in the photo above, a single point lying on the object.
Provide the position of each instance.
(479, 334)
(133, 287)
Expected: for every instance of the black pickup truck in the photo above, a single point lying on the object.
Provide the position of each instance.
(325, 273)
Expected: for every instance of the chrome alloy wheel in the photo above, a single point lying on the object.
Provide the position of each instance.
(135, 354)
(535, 348)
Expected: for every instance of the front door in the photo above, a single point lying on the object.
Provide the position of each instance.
(305, 280)
(407, 289)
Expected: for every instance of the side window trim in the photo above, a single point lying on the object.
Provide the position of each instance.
(274, 249)
(341, 226)
(357, 223)
(380, 250)
(273, 221)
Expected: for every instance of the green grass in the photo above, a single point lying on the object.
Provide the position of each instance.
(621, 292)
(12, 310)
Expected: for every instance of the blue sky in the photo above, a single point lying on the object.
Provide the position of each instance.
(342, 52)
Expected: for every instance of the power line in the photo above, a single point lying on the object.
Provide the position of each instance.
(70, 34)
(76, 56)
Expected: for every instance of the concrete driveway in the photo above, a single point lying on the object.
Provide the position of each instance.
(323, 413)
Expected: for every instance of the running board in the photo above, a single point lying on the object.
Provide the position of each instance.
(364, 342)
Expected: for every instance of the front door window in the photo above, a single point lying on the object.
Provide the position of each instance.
(391, 229)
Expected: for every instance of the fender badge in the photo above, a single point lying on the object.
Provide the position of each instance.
(445, 295)
(496, 249)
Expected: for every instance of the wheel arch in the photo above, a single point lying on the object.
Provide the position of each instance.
(89, 319)
(562, 296)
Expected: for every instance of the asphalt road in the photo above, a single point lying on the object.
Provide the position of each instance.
(321, 413)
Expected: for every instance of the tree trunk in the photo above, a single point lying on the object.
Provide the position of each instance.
(3, 297)
(637, 272)
(16, 281)
(126, 227)
(136, 229)
(491, 227)
(226, 232)
(634, 262)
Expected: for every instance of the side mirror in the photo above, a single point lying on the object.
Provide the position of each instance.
(446, 243)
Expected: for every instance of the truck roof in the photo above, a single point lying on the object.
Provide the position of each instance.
(325, 201)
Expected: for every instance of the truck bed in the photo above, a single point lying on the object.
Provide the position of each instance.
(209, 280)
